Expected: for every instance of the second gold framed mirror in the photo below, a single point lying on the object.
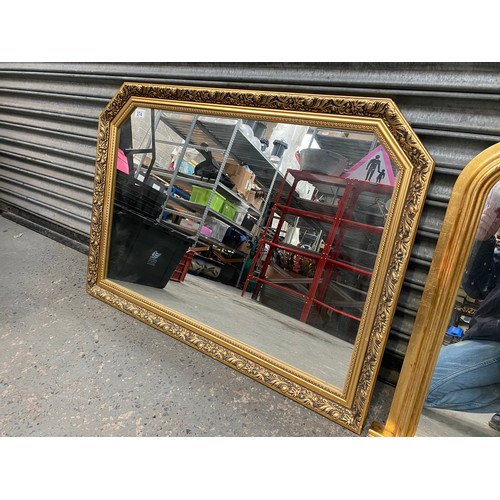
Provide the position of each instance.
(270, 231)
(468, 225)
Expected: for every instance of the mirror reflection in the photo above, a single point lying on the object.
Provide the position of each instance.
(464, 393)
(268, 232)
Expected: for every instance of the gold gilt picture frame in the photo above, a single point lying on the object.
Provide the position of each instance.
(450, 257)
(346, 404)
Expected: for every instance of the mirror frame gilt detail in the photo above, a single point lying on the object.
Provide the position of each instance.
(347, 407)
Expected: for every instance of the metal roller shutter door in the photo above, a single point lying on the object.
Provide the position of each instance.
(49, 113)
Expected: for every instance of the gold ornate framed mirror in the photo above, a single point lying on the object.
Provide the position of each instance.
(270, 231)
(457, 237)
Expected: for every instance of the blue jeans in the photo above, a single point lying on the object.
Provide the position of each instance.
(467, 378)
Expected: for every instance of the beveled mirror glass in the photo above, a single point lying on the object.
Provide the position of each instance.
(271, 231)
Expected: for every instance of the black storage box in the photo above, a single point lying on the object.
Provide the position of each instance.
(143, 251)
(138, 196)
(233, 238)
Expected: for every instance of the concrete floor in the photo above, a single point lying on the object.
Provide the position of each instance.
(71, 365)
(448, 423)
(298, 344)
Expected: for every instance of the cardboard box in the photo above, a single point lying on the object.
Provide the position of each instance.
(244, 247)
(243, 178)
(253, 200)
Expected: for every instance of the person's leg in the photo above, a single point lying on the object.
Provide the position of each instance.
(467, 377)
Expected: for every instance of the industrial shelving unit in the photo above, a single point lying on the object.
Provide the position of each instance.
(338, 272)
(225, 140)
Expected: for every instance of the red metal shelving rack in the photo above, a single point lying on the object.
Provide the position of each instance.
(338, 221)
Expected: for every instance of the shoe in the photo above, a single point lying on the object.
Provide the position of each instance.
(494, 423)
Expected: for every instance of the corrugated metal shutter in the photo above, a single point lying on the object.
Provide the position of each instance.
(48, 124)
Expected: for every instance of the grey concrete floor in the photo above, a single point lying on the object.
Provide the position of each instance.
(71, 365)
(298, 344)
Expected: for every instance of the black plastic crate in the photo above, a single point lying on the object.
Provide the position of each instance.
(143, 251)
(134, 194)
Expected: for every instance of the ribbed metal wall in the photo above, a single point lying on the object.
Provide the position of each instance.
(48, 127)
